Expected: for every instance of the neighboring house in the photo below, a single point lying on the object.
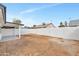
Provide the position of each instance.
(49, 25)
(3, 22)
(74, 23)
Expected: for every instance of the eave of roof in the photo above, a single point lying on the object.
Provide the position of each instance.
(2, 5)
(15, 23)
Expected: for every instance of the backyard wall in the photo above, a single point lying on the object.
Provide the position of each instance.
(70, 33)
(66, 33)
(7, 34)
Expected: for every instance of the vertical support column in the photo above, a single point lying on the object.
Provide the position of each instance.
(19, 32)
(15, 32)
(0, 34)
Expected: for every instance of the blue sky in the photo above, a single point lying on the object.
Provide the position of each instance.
(37, 13)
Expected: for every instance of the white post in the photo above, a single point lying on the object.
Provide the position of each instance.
(0, 34)
(19, 32)
(15, 33)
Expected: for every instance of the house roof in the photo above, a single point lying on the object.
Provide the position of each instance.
(51, 24)
(44, 26)
(2, 5)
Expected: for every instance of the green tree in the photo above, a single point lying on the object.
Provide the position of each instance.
(43, 23)
(61, 25)
(17, 22)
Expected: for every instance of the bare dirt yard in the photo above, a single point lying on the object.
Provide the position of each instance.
(39, 45)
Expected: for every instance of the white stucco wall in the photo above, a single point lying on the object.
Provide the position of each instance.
(71, 33)
(66, 33)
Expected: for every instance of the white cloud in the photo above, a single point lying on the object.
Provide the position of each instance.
(28, 11)
(39, 8)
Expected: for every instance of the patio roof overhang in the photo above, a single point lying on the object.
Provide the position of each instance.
(11, 25)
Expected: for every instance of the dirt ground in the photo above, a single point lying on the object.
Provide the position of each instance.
(38, 45)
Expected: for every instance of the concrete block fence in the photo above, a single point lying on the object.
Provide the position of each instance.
(69, 33)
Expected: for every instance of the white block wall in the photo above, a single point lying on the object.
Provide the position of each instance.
(66, 33)
(71, 33)
(7, 34)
